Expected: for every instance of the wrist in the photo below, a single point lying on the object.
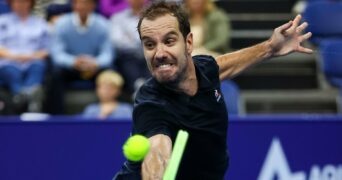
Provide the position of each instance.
(269, 49)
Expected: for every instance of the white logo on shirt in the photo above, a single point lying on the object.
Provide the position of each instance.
(217, 95)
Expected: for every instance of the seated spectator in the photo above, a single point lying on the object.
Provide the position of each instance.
(23, 50)
(108, 89)
(130, 61)
(81, 48)
(111, 7)
(210, 27)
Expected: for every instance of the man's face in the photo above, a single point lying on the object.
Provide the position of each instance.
(166, 52)
(136, 4)
(83, 7)
(21, 7)
(196, 6)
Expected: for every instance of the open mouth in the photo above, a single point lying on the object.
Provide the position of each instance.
(165, 69)
(164, 65)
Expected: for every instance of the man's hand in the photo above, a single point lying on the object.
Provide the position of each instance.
(85, 63)
(156, 160)
(40, 55)
(22, 58)
(288, 38)
(284, 40)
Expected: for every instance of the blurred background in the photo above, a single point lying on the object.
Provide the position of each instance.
(297, 83)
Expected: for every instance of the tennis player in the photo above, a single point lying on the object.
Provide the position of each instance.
(184, 93)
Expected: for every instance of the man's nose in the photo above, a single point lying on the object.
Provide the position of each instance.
(160, 54)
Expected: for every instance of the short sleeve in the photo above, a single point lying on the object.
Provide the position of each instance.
(150, 119)
(208, 66)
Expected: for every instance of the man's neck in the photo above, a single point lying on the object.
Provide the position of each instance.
(23, 17)
(83, 20)
(108, 103)
(190, 84)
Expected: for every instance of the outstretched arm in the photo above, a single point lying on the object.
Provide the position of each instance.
(284, 40)
(157, 159)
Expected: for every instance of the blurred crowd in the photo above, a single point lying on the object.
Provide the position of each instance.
(50, 46)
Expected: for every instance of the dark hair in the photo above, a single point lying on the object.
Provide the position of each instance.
(56, 10)
(161, 8)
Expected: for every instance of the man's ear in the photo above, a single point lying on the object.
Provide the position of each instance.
(189, 43)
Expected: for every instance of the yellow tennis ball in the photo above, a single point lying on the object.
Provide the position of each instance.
(136, 147)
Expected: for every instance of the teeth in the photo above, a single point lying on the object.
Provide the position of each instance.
(164, 65)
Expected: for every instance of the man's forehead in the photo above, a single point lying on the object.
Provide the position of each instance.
(161, 23)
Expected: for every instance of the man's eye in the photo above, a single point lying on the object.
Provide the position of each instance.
(149, 45)
(170, 41)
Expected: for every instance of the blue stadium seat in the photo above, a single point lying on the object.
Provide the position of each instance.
(4, 8)
(331, 53)
(324, 18)
(231, 94)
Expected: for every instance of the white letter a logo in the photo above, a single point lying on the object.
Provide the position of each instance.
(276, 165)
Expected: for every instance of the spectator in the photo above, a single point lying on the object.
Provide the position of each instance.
(81, 48)
(108, 89)
(23, 49)
(210, 26)
(130, 61)
(111, 7)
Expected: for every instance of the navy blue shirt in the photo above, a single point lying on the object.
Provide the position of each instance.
(159, 110)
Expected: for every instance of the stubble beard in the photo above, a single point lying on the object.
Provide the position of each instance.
(179, 76)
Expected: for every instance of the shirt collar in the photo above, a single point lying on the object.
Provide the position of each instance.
(77, 22)
(17, 18)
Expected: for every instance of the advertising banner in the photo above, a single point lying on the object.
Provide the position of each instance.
(260, 148)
